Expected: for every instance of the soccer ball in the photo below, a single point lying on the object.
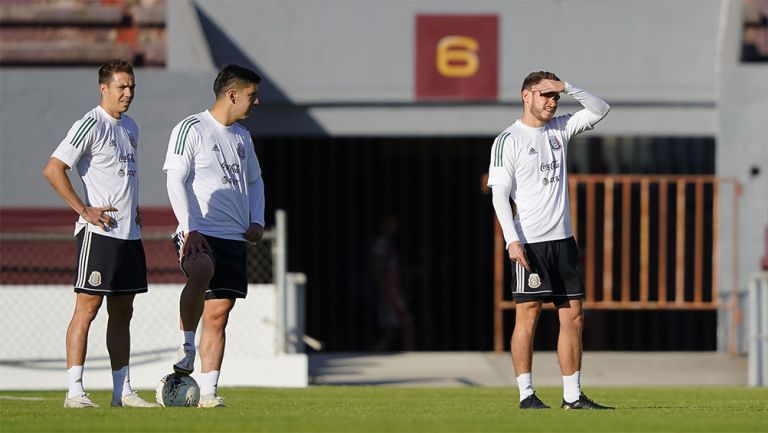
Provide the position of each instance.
(177, 390)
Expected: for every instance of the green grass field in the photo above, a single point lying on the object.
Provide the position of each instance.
(376, 409)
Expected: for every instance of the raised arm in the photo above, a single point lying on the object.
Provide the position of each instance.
(595, 109)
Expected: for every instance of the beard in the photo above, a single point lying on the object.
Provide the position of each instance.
(543, 115)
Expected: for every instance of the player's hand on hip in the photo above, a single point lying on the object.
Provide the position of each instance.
(517, 254)
(98, 216)
(194, 244)
(255, 233)
(548, 86)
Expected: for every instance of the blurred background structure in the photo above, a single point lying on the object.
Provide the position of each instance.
(388, 109)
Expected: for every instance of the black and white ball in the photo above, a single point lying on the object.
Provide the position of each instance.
(175, 390)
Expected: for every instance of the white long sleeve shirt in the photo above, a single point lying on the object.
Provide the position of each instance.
(213, 178)
(528, 166)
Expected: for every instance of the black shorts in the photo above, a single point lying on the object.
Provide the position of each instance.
(555, 273)
(229, 277)
(109, 266)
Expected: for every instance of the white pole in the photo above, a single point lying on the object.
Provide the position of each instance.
(279, 253)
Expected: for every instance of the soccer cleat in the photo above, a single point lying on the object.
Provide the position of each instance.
(211, 400)
(533, 402)
(133, 400)
(186, 366)
(79, 401)
(583, 403)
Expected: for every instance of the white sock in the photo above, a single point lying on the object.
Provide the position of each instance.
(75, 374)
(208, 382)
(572, 387)
(189, 339)
(525, 385)
(121, 383)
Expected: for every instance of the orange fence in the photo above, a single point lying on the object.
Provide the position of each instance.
(647, 242)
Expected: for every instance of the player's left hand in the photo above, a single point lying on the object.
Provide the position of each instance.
(548, 86)
(255, 233)
(138, 216)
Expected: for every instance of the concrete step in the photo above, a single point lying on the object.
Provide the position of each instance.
(604, 369)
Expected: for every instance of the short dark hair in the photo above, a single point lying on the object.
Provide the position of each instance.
(234, 75)
(535, 77)
(108, 69)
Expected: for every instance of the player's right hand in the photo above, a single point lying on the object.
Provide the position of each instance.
(98, 216)
(194, 243)
(517, 254)
(548, 86)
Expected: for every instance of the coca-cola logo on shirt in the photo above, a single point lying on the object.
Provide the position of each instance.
(549, 166)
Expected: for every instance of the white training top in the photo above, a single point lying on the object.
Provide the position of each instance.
(214, 178)
(104, 151)
(528, 165)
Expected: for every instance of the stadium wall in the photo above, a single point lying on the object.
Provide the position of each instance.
(33, 353)
(743, 155)
(346, 69)
(339, 68)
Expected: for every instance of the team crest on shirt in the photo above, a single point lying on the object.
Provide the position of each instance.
(241, 150)
(534, 281)
(121, 172)
(554, 142)
(95, 279)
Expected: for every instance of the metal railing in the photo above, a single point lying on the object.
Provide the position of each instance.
(647, 242)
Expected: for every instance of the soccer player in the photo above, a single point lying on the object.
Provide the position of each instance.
(528, 166)
(103, 146)
(217, 194)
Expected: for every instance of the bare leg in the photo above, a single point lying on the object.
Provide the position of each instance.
(120, 309)
(86, 308)
(571, 317)
(212, 342)
(526, 317)
(199, 269)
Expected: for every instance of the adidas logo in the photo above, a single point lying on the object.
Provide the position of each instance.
(532, 152)
(216, 148)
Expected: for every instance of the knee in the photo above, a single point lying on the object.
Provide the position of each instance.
(526, 318)
(215, 317)
(216, 322)
(574, 322)
(86, 312)
(199, 268)
(121, 314)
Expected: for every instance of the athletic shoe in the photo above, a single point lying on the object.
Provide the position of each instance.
(583, 403)
(186, 366)
(533, 402)
(211, 400)
(133, 400)
(79, 401)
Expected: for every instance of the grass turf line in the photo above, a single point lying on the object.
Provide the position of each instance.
(377, 409)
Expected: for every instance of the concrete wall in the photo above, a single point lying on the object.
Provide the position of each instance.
(656, 50)
(32, 357)
(743, 155)
(347, 68)
(39, 106)
(668, 67)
